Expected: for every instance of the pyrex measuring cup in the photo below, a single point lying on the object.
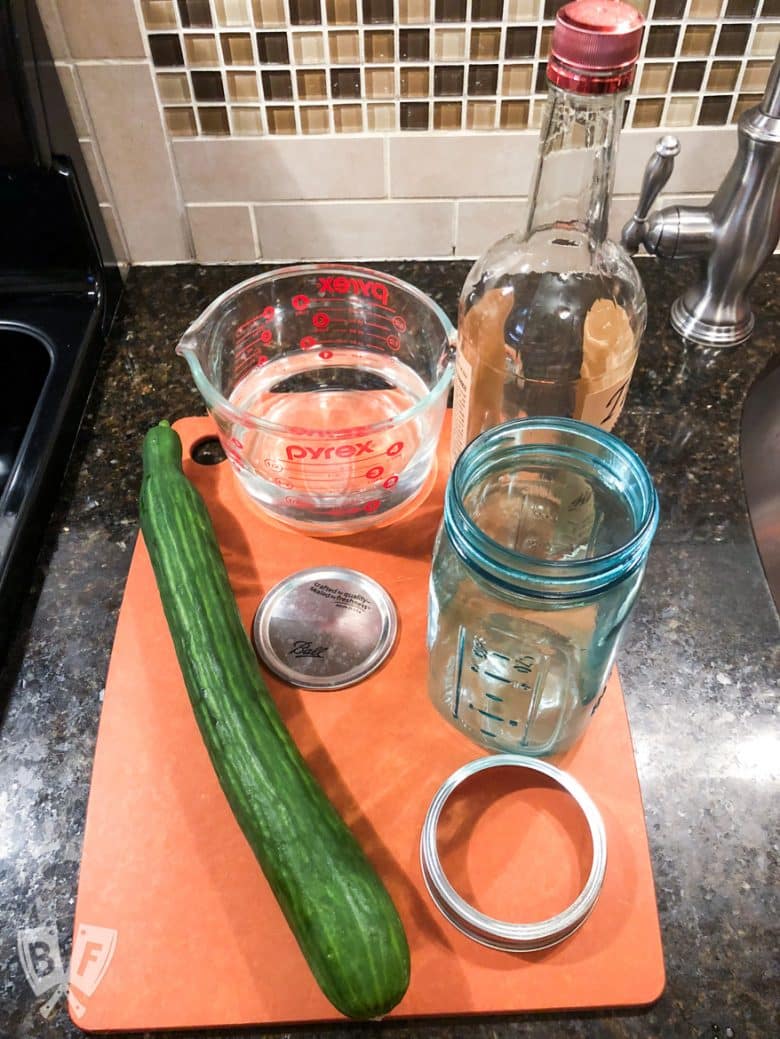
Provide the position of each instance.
(328, 385)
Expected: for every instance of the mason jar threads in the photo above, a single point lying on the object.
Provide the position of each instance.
(537, 564)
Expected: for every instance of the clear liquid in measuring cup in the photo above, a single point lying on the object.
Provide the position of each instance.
(324, 460)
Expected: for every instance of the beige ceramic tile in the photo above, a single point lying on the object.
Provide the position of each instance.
(655, 78)
(522, 10)
(481, 115)
(237, 48)
(380, 117)
(744, 102)
(159, 14)
(173, 87)
(221, 234)
(537, 113)
(180, 122)
(201, 49)
(315, 119)
(355, 231)
(347, 118)
(681, 111)
(344, 48)
(247, 122)
(480, 223)
(308, 48)
(450, 44)
(95, 170)
(755, 76)
(279, 168)
(705, 156)
(447, 115)
(722, 77)
(411, 11)
(312, 85)
(767, 40)
(235, 12)
(114, 232)
(123, 108)
(268, 12)
(52, 24)
(704, 8)
(67, 77)
(242, 86)
(697, 40)
(95, 31)
(341, 12)
(621, 209)
(648, 111)
(517, 80)
(453, 167)
(380, 82)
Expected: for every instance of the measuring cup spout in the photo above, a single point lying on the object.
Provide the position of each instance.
(191, 348)
(187, 346)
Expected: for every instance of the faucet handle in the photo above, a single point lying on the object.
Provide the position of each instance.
(657, 172)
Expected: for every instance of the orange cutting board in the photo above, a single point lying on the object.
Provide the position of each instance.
(175, 925)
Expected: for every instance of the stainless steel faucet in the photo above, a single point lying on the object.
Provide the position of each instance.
(734, 235)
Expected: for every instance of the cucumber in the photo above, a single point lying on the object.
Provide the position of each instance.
(337, 907)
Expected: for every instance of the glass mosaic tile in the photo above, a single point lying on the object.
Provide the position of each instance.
(257, 67)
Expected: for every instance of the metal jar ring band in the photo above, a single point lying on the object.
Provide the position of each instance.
(499, 934)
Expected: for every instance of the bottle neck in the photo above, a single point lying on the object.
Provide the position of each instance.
(575, 168)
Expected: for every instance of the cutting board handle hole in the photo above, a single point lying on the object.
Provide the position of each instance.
(207, 451)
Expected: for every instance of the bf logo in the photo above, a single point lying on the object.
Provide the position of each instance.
(39, 953)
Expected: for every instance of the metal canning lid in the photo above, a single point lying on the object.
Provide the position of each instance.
(500, 934)
(325, 628)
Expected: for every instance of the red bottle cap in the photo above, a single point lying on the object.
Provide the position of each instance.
(595, 44)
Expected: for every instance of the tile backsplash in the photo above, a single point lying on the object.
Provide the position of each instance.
(253, 67)
(229, 130)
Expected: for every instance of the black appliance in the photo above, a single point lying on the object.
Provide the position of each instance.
(59, 286)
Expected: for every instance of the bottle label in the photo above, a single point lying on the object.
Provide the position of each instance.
(602, 408)
(460, 403)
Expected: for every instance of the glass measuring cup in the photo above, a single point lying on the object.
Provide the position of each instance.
(328, 385)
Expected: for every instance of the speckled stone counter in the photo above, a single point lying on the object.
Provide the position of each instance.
(700, 667)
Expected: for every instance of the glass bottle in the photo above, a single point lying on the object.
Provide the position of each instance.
(550, 318)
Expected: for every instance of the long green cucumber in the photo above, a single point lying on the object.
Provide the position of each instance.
(337, 907)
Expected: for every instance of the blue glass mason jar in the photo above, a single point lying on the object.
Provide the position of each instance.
(538, 561)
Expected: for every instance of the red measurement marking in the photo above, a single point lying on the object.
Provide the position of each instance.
(395, 449)
(399, 323)
(325, 354)
(375, 472)
(261, 360)
(266, 336)
(372, 506)
(251, 344)
(320, 320)
(393, 343)
(390, 482)
(301, 303)
(250, 321)
(308, 342)
(269, 313)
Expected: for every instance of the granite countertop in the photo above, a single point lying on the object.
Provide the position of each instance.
(700, 666)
